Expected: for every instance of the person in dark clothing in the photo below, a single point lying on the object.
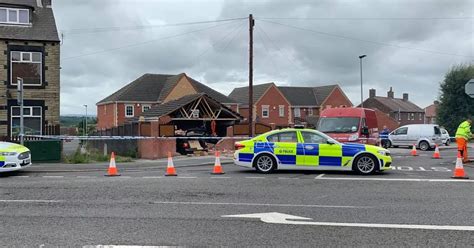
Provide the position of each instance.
(384, 137)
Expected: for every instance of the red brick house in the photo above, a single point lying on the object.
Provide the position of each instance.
(148, 91)
(307, 102)
(430, 113)
(400, 109)
(285, 106)
(270, 105)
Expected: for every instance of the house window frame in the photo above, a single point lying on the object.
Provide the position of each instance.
(281, 110)
(420, 116)
(17, 22)
(133, 110)
(310, 112)
(265, 108)
(297, 112)
(30, 115)
(145, 106)
(12, 80)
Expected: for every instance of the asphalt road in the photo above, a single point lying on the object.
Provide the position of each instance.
(75, 205)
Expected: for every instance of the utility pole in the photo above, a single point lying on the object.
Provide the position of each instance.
(361, 88)
(20, 102)
(251, 25)
(85, 128)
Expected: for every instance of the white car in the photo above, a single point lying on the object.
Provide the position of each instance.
(13, 157)
(445, 137)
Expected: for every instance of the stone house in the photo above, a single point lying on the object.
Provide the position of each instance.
(30, 50)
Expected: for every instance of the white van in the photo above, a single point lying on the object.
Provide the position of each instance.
(424, 136)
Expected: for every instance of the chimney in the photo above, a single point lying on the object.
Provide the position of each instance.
(371, 93)
(390, 93)
(405, 97)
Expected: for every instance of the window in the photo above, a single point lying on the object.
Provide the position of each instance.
(297, 112)
(265, 111)
(310, 111)
(411, 116)
(420, 116)
(289, 137)
(401, 131)
(129, 111)
(145, 107)
(14, 16)
(315, 138)
(27, 65)
(33, 120)
(281, 110)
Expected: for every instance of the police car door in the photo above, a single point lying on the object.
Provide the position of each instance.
(318, 152)
(284, 148)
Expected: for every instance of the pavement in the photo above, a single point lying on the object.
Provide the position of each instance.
(415, 204)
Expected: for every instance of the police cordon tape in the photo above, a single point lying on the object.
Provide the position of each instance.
(66, 137)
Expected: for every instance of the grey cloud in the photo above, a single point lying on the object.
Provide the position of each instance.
(291, 57)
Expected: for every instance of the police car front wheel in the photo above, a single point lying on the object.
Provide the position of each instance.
(264, 163)
(365, 164)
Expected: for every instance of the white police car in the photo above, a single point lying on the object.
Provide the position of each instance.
(13, 157)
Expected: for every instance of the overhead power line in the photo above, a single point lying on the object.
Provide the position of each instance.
(367, 41)
(112, 29)
(145, 42)
(368, 18)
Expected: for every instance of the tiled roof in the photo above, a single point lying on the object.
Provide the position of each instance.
(397, 104)
(306, 96)
(156, 87)
(241, 95)
(299, 96)
(171, 106)
(430, 111)
(43, 24)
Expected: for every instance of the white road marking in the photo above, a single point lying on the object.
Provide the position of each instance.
(260, 204)
(33, 201)
(53, 176)
(279, 218)
(321, 175)
(255, 177)
(396, 179)
(220, 177)
(20, 176)
(86, 177)
(152, 177)
(186, 177)
(287, 178)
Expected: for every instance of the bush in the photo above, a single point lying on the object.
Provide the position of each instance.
(95, 156)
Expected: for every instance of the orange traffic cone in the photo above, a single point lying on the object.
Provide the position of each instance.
(459, 172)
(170, 170)
(436, 153)
(112, 171)
(217, 165)
(413, 151)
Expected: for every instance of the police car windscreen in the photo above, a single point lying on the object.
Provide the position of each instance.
(339, 124)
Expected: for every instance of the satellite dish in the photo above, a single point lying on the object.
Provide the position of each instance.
(469, 88)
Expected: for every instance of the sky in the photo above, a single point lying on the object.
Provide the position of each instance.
(410, 45)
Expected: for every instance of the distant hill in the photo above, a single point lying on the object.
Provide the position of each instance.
(74, 120)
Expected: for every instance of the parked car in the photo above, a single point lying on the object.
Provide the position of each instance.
(445, 138)
(424, 136)
(13, 157)
(194, 139)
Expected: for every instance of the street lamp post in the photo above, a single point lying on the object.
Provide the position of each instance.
(361, 87)
(21, 103)
(85, 128)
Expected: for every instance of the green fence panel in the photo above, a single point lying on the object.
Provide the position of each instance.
(45, 150)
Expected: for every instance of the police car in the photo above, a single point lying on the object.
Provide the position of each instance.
(308, 149)
(13, 157)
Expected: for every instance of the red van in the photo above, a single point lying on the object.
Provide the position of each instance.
(355, 125)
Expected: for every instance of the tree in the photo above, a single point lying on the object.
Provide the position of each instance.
(455, 105)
